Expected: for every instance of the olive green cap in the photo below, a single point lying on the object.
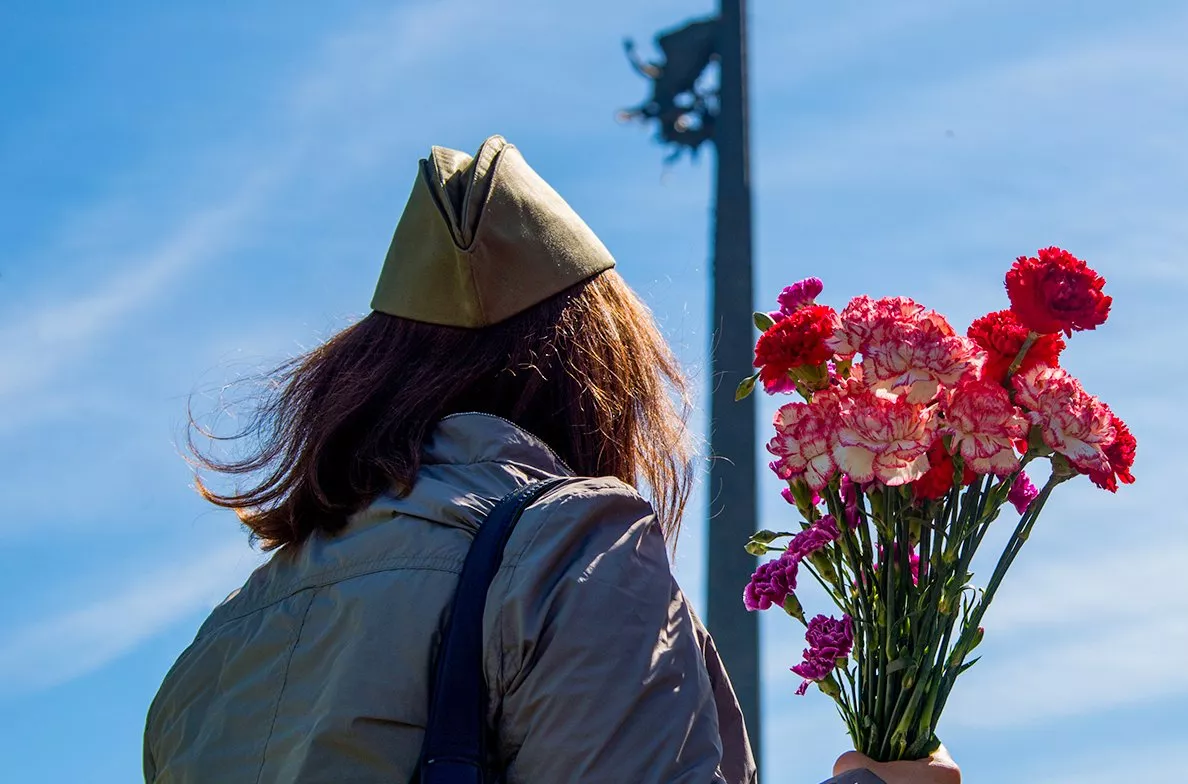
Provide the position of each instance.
(482, 239)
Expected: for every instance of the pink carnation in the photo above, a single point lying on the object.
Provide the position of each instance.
(985, 424)
(884, 439)
(863, 315)
(916, 358)
(1073, 422)
(806, 435)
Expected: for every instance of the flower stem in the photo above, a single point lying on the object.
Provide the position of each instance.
(1014, 545)
(1028, 342)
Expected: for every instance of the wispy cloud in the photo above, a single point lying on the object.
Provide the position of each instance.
(79, 641)
(1149, 764)
(52, 335)
(1101, 586)
(334, 121)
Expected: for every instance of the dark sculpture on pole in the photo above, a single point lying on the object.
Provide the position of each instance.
(684, 111)
(688, 114)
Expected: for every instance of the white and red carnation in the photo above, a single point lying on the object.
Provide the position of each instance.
(916, 358)
(884, 438)
(984, 424)
(806, 436)
(863, 315)
(1073, 422)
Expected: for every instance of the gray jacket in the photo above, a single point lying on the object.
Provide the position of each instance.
(317, 669)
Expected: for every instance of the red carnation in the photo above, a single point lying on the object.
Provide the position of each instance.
(1056, 292)
(1121, 456)
(939, 479)
(1001, 336)
(796, 341)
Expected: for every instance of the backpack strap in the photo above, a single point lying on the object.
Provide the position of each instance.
(454, 750)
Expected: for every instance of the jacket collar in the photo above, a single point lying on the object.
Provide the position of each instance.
(480, 438)
(469, 462)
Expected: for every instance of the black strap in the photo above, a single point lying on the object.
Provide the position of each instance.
(454, 750)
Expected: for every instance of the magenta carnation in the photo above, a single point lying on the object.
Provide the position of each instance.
(814, 538)
(829, 640)
(849, 492)
(772, 582)
(797, 296)
(1022, 492)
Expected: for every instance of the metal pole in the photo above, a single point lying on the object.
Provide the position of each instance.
(732, 490)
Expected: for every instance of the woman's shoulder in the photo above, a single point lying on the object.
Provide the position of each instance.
(583, 519)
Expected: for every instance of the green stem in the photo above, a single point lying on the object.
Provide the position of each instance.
(1018, 361)
(1014, 545)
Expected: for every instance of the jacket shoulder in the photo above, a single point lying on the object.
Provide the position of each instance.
(586, 514)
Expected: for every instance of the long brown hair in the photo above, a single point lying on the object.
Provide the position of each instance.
(586, 371)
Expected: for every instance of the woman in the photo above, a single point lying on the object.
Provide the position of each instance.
(502, 349)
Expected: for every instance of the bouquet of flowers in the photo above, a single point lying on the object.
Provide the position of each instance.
(910, 442)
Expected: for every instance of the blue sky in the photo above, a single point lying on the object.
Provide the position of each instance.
(191, 192)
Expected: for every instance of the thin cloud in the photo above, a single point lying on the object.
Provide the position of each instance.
(319, 128)
(76, 642)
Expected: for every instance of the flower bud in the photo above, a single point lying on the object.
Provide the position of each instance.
(792, 607)
(803, 497)
(1062, 469)
(962, 651)
(829, 686)
(1035, 442)
(814, 377)
(824, 567)
(758, 544)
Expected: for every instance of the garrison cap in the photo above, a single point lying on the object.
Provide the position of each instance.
(481, 239)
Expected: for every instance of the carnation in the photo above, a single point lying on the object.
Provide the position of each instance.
(861, 318)
(984, 424)
(806, 435)
(1120, 455)
(829, 640)
(795, 341)
(1001, 335)
(938, 480)
(1056, 292)
(1071, 421)
(884, 438)
(797, 296)
(771, 583)
(814, 538)
(1022, 492)
(915, 358)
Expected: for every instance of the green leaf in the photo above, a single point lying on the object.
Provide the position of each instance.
(763, 321)
(746, 387)
(898, 664)
(968, 664)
